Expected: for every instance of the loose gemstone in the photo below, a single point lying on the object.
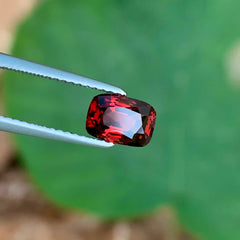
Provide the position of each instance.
(122, 120)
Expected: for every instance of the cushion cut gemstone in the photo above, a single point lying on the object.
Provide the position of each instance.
(119, 119)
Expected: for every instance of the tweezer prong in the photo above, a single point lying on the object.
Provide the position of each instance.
(20, 65)
(16, 126)
(20, 127)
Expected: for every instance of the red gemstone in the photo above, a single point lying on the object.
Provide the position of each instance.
(119, 119)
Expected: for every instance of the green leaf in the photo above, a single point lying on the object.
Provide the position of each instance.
(168, 53)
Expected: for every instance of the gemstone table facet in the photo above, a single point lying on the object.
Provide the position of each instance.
(122, 120)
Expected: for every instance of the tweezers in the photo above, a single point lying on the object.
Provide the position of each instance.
(20, 127)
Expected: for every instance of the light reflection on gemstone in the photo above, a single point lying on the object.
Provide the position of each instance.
(123, 121)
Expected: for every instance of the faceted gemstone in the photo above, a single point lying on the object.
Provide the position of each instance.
(119, 119)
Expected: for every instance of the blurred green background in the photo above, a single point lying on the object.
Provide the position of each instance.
(175, 55)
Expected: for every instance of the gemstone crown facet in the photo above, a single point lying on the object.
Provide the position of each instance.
(122, 120)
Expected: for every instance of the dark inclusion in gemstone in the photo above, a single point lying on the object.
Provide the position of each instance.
(119, 119)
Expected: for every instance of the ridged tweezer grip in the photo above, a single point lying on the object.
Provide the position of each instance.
(20, 127)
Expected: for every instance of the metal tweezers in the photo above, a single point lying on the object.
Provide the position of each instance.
(20, 127)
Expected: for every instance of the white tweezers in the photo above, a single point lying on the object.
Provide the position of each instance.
(20, 127)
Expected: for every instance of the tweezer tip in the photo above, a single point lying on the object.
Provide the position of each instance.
(121, 92)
